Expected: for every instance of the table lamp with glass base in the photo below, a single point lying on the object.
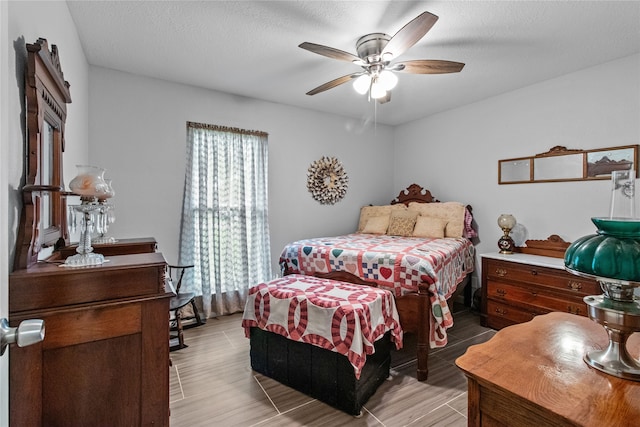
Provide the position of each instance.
(85, 255)
(506, 244)
(90, 185)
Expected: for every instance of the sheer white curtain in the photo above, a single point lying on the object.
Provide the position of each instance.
(225, 230)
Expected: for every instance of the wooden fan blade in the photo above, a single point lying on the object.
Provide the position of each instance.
(333, 83)
(410, 34)
(428, 66)
(330, 52)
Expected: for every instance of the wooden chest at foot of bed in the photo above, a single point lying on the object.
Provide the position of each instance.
(320, 373)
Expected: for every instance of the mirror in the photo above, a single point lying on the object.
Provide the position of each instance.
(557, 167)
(46, 221)
(515, 170)
(43, 216)
(562, 164)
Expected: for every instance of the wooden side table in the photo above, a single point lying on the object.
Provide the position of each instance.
(533, 374)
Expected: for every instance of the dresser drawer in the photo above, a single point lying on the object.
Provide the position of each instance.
(525, 273)
(533, 297)
(500, 315)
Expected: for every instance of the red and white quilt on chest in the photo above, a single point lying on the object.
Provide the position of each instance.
(337, 316)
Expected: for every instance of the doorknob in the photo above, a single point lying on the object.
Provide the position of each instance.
(28, 332)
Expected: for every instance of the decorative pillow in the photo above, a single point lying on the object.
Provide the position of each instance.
(401, 225)
(451, 212)
(367, 212)
(430, 227)
(376, 225)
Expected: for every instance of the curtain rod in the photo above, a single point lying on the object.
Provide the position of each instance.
(226, 129)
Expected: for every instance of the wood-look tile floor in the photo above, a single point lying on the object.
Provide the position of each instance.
(212, 384)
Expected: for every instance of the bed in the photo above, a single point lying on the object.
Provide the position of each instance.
(417, 247)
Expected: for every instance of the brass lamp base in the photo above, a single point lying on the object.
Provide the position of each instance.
(620, 319)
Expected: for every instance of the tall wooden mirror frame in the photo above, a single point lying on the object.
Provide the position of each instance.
(562, 164)
(43, 220)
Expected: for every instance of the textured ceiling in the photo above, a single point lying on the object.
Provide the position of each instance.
(250, 48)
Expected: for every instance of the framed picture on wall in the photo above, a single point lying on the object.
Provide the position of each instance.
(600, 163)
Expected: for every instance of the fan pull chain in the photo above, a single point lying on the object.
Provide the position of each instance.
(375, 119)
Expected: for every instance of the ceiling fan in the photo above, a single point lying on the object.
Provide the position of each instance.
(375, 53)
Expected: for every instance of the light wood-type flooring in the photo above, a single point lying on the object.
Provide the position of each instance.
(212, 384)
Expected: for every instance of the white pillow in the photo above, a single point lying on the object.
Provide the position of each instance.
(451, 212)
(367, 212)
(430, 227)
(376, 225)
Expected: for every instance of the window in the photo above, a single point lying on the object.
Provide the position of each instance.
(225, 229)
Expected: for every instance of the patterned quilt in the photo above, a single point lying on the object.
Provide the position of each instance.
(392, 262)
(337, 316)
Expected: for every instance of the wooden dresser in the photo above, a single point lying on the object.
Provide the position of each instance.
(518, 287)
(105, 356)
(533, 374)
(104, 360)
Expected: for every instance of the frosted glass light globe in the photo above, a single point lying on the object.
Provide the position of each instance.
(506, 221)
(388, 79)
(362, 83)
(377, 91)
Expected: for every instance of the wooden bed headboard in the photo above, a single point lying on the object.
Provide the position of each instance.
(414, 193)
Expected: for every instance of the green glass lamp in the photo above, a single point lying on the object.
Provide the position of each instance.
(612, 257)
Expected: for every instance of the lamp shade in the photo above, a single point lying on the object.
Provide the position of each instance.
(612, 253)
(89, 182)
(506, 221)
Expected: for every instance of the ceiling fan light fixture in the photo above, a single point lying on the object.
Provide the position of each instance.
(362, 83)
(388, 80)
(375, 51)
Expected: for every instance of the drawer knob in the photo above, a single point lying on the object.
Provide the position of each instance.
(534, 272)
(501, 272)
(501, 311)
(575, 286)
(501, 292)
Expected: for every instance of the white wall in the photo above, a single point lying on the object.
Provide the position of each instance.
(456, 153)
(51, 20)
(138, 133)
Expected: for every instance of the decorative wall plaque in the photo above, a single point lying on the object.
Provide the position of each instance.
(327, 181)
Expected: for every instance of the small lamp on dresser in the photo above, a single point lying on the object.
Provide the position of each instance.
(506, 222)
